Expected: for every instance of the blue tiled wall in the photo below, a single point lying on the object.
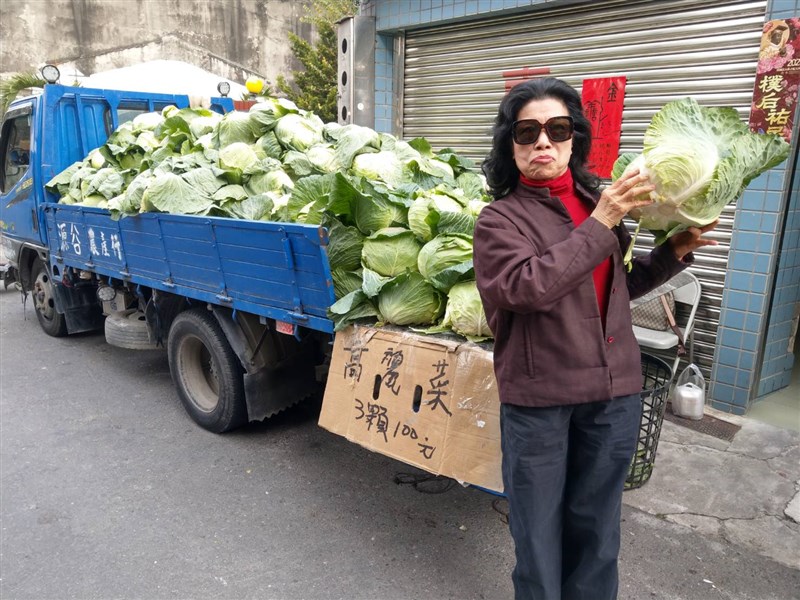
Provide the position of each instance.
(755, 324)
(384, 64)
(743, 348)
(397, 14)
(776, 371)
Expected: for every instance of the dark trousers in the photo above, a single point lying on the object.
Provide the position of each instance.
(564, 469)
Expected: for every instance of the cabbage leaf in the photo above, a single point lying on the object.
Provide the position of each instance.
(700, 159)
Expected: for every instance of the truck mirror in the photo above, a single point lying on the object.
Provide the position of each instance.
(19, 157)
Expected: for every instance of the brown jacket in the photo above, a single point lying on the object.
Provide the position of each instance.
(534, 273)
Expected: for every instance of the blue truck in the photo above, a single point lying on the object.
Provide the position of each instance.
(240, 306)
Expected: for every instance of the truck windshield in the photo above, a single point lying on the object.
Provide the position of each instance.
(16, 148)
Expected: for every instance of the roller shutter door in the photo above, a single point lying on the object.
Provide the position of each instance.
(452, 82)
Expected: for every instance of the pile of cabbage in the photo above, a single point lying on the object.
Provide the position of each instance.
(699, 159)
(400, 217)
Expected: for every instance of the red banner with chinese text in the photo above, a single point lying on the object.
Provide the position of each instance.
(603, 100)
(777, 78)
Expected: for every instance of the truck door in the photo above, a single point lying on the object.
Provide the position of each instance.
(17, 209)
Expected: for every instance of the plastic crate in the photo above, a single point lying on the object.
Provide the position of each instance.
(656, 376)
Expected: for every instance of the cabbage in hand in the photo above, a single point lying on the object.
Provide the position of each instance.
(699, 159)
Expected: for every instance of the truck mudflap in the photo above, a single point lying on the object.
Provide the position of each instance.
(280, 370)
(79, 305)
(274, 270)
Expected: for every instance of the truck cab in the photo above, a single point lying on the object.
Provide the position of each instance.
(42, 135)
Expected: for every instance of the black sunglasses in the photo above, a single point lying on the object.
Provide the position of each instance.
(527, 131)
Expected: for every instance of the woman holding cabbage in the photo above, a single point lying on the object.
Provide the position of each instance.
(548, 256)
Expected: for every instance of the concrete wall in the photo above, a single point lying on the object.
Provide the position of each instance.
(232, 38)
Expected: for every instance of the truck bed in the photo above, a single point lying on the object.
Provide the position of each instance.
(275, 270)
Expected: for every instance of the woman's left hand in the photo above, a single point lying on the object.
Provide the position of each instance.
(687, 241)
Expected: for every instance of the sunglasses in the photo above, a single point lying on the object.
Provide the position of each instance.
(527, 131)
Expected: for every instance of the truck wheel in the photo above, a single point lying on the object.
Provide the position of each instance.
(52, 322)
(206, 371)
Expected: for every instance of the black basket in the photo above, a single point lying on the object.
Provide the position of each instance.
(656, 375)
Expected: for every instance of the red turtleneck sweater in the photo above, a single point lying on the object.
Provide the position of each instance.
(563, 188)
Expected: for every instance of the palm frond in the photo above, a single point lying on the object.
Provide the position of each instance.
(10, 87)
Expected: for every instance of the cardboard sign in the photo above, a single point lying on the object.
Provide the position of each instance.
(777, 78)
(427, 401)
(603, 101)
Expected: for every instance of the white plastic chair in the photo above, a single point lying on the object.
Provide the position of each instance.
(687, 291)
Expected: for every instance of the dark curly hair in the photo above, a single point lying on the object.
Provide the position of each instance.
(499, 167)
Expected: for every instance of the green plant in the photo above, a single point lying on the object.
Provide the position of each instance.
(10, 87)
(314, 88)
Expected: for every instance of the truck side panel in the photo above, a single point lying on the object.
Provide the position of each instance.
(77, 120)
(275, 270)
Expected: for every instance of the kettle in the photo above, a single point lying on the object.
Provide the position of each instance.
(688, 400)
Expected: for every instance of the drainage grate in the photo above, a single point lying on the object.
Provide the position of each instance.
(709, 425)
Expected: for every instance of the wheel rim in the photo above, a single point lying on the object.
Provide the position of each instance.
(43, 296)
(200, 374)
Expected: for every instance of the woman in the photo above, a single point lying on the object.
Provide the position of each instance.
(548, 256)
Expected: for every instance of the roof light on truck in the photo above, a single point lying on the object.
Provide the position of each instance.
(223, 88)
(50, 73)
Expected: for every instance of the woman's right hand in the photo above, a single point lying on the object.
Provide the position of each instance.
(626, 193)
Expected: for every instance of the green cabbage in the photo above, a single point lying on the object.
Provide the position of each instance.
(106, 182)
(149, 121)
(239, 156)
(700, 159)
(266, 113)
(381, 166)
(169, 193)
(345, 245)
(446, 259)
(374, 211)
(391, 251)
(323, 158)
(269, 181)
(270, 145)
(299, 132)
(351, 140)
(205, 124)
(237, 126)
(410, 300)
(354, 306)
(372, 283)
(464, 313)
(424, 214)
(130, 201)
(204, 180)
(345, 282)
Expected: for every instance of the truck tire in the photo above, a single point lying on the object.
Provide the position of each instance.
(128, 329)
(52, 322)
(206, 371)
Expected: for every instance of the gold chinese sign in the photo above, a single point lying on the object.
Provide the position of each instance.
(777, 78)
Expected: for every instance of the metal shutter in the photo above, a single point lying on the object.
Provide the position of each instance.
(708, 49)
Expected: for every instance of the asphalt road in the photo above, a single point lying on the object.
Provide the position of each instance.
(109, 490)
